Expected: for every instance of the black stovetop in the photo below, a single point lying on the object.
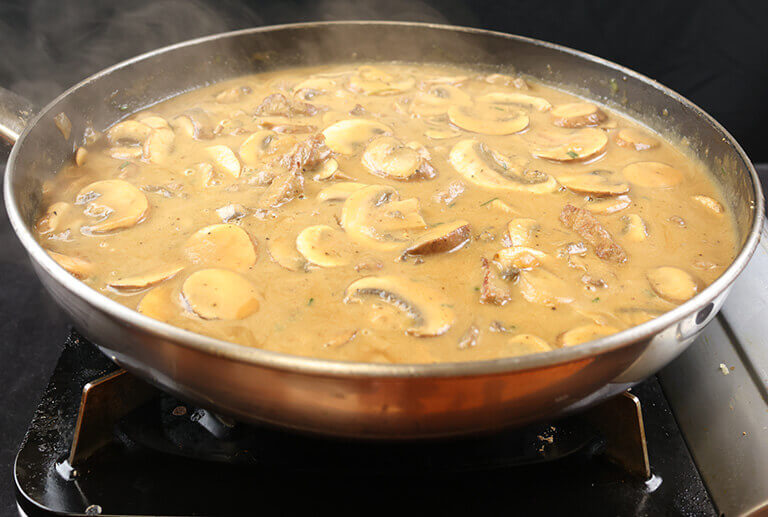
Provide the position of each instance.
(168, 457)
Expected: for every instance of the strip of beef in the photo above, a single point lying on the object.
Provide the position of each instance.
(589, 228)
(277, 105)
(289, 183)
(494, 290)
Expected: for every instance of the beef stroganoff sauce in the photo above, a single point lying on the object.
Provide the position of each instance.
(388, 213)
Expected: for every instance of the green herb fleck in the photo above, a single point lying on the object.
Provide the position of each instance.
(452, 205)
(311, 301)
(447, 305)
(595, 300)
(489, 201)
(572, 154)
(614, 85)
(124, 165)
(123, 107)
(477, 288)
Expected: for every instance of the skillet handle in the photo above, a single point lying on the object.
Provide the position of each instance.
(15, 113)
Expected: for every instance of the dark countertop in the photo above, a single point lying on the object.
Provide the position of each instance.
(33, 331)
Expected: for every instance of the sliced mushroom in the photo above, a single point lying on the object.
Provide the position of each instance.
(521, 231)
(347, 136)
(518, 258)
(652, 174)
(265, 147)
(144, 280)
(158, 304)
(580, 145)
(506, 80)
(489, 119)
(609, 205)
(52, 218)
(498, 204)
(326, 170)
(438, 99)
(159, 145)
(224, 160)
(519, 99)
(634, 228)
(80, 155)
(636, 139)
(441, 134)
(324, 246)
(196, 123)
(388, 157)
(524, 344)
(443, 238)
(595, 183)
(584, 334)
(281, 245)
(542, 287)
(222, 245)
(489, 169)
(375, 216)
(77, 267)
(116, 204)
(577, 114)
(232, 212)
(711, 204)
(339, 191)
(370, 80)
(427, 307)
(219, 294)
(673, 284)
(128, 133)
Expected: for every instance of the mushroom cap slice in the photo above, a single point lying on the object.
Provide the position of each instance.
(634, 229)
(223, 245)
(577, 146)
(521, 229)
(224, 160)
(376, 217)
(370, 80)
(219, 294)
(76, 267)
(584, 334)
(326, 170)
(144, 280)
(347, 136)
(158, 304)
(487, 168)
(438, 99)
(577, 114)
(388, 157)
(524, 344)
(49, 222)
(443, 238)
(520, 99)
(116, 203)
(128, 133)
(426, 306)
(652, 174)
(636, 139)
(544, 288)
(712, 205)
(518, 258)
(339, 191)
(159, 144)
(609, 205)
(489, 119)
(595, 183)
(673, 284)
(324, 246)
(264, 146)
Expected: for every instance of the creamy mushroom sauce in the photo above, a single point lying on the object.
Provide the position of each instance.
(388, 213)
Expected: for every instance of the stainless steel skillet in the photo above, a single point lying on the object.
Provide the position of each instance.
(358, 399)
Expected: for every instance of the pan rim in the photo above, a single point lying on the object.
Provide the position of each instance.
(335, 368)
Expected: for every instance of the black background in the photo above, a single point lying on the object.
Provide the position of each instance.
(715, 53)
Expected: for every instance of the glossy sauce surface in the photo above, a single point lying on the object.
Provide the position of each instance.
(388, 213)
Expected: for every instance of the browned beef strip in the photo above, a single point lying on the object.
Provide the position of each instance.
(589, 228)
